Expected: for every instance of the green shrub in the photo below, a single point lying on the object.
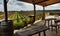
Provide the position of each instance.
(27, 20)
(38, 17)
(18, 25)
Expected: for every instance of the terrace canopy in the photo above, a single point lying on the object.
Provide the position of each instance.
(41, 2)
(49, 2)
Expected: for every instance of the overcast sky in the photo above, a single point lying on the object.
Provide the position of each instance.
(14, 5)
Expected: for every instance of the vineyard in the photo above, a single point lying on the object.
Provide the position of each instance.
(20, 20)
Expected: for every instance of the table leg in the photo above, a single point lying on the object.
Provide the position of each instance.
(39, 33)
(44, 33)
(51, 26)
(48, 23)
(30, 35)
(56, 30)
(58, 27)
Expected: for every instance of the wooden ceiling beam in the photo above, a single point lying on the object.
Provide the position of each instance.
(40, 2)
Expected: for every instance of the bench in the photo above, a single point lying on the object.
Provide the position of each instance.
(32, 30)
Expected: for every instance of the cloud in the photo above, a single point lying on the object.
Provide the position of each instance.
(54, 6)
(1, 5)
(0, 2)
(14, 5)
(13, 8)
(27, 6)
(1, 8)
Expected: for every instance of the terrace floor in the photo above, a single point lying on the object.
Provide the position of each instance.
(49, 33)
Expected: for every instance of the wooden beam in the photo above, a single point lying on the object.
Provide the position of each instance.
(41, 2)
(51, 4)
(34, 1)
(34, 12)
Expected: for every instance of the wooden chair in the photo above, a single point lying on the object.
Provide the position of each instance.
(58, 23)
(51, 24)
(47, 22)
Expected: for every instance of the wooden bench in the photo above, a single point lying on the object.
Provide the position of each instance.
(32, 30)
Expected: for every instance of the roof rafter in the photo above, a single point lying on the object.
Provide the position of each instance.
(33, 1)
(42, 2)
(50, 2)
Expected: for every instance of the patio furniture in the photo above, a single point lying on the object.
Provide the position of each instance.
(32, 30)
(52, 22)
(47, 22)
(58, 23)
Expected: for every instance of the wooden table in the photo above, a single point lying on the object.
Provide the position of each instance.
(32, 31)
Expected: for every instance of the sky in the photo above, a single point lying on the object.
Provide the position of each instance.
(14, 5)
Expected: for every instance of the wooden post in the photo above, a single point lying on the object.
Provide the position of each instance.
(5, 10)
(34, 11)
(43, 16)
